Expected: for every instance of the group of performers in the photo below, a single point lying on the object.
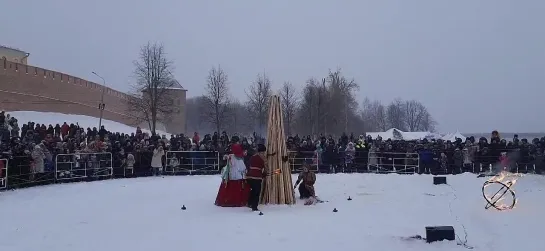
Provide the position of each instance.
(241, 185)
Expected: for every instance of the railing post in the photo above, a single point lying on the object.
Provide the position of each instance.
(417, 169)
(218, 161)
(4, 174)
(315, 156)
(192, 164)
(111, 165)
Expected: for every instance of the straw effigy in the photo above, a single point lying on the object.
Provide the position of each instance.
(277, 185)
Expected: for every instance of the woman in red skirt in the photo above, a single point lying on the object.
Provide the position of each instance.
(233, 191)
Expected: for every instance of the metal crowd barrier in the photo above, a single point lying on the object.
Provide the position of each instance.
(192, 162)
(350, 162)
(296, 160)
(391, 162)
(83, 165)
(22, 172)
(3, 173)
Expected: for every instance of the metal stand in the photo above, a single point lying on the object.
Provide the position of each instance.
(493, 201)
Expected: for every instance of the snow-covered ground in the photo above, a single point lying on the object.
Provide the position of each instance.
(54, 118)
(144, 214)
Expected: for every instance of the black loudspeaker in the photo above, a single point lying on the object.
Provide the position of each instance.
(439, 233)
(438, 180)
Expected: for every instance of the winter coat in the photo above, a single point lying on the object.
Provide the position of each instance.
(504, 161)
(14, 128)
(156, 160)
(38, 157)
(458, 158)
(350, 153)
(130, 161)
(426, 156)
(373, 157)
(466, 157)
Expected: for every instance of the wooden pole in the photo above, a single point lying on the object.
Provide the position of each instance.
(277, 186)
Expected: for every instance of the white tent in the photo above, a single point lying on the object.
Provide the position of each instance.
(454, 136)
(396, 134)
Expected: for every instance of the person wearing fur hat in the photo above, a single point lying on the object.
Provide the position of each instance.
(232, 191)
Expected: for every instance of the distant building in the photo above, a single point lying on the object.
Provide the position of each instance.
(13, 55)
(175, 123)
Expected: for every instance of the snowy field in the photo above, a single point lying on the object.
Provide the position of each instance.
(144, 214)
(54, 118)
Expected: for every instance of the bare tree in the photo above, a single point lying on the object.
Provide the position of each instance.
(238, 121)
(258, 100)
(290, 100)
(312, 110)
(374, 116)
(195, 120)
(416, 114)
(152, 101)
(341, 99)
(217, 98)
(397, 115)
(307, 114)
(428, 123)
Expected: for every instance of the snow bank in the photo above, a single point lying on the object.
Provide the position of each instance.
(53, 118)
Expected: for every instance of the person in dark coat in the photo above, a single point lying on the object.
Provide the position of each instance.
(254, 176)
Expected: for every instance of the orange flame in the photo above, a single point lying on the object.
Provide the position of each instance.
(508, 180)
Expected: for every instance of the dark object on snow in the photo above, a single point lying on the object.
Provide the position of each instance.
(260, 213)
(335, 210)
(438, 180)
(183, 207)
(439, 233)
(349, 198)
(414, 237)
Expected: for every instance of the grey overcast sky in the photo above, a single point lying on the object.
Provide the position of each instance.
(477, 64)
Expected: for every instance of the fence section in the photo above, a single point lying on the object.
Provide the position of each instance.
(83, 165)
(192, 162)
(297, 159)
(391, 162)
(3, 173)
(24, 172)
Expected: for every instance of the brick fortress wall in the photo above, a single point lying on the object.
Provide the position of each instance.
(29, 88)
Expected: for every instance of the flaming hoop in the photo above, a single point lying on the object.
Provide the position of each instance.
(506, 181)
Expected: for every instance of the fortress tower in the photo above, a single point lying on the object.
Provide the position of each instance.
(176, 124)
(13, 55)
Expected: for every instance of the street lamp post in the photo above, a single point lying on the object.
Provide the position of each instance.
(101, 105)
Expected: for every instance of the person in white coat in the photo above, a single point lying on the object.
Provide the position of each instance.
(157, 160)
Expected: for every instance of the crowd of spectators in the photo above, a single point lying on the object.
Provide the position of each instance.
(362, 153)
(39, 153)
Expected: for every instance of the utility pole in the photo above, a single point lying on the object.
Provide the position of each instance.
(101, 105)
